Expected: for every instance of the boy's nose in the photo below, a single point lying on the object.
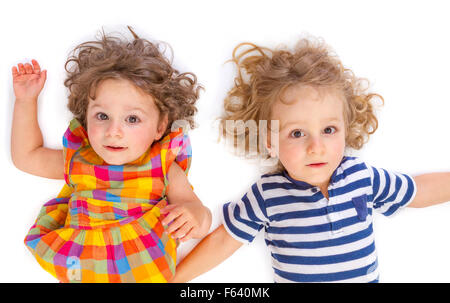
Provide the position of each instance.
(315, 146)
(114, 130)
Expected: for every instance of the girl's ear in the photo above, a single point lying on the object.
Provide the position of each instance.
(162, 126)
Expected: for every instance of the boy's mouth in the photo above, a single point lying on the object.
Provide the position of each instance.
(315, 165)
(114, 148)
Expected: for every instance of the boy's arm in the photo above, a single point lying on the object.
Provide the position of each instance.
(209, 253)
(189, 217)
(27, 151)
(432, 189)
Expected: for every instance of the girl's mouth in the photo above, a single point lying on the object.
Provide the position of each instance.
(316, 165)
(115, 148)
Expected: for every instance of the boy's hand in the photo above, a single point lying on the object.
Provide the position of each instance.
(185, 219)
(28, 80)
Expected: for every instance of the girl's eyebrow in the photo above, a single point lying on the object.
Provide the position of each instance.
(301, 122)
(95, 105)
(127, 108)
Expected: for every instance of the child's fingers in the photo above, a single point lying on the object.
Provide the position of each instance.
(36, 66)
(173, 214)
(188, 236)
(43, 75)
(28, 68)
(15, 72)
(168, 208)
(21, 69)
(176, 224)
(182, 231)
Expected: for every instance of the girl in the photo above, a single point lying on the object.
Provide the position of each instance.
(316, 206)
(122, 161)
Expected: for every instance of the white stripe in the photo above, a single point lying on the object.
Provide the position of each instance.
(324, 251)
(327, 268)
(373, 275)
(320, 236)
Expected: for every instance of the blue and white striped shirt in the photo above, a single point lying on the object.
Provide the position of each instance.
(314, 239)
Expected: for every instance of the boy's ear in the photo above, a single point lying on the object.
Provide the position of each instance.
(162, 126)
(270, 148)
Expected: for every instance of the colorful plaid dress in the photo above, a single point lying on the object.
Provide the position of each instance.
(104, 226)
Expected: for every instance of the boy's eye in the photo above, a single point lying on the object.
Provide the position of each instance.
(133, 119)
(102, 116)
(297, 134)
(329, 130)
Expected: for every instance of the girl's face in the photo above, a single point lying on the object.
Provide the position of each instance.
(312, 133)
(122, 122)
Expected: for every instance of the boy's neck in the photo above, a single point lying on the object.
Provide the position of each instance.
(324, 190)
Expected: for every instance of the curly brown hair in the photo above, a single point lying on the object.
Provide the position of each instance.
(139, 61)
(264, 74)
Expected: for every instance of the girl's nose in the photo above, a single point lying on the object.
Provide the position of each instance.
(114, 130)
(315, 146)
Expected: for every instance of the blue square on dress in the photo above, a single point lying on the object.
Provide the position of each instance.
(112, 198)
(122, 265)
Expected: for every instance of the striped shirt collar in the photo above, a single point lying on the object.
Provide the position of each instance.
(304, 185)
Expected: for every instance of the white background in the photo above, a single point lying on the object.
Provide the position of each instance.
(402, 47)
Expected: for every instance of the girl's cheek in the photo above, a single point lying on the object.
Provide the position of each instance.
(95, 133)
(144, 136)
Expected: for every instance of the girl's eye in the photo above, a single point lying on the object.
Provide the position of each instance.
(297, 134)
(329, 130)
(133, 119)
(102, 116)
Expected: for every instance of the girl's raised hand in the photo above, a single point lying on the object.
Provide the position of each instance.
(28, 80)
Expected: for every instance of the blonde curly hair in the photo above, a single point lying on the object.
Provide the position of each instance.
(264, 74)
(139, 61)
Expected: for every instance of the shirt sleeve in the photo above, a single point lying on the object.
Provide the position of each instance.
(391, 191)
(245, 218)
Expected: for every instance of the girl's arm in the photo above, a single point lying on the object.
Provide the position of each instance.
(27, 151)
(209, 253)
(189, 217)
(432, 189)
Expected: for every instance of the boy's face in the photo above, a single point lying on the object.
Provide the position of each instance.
(312, 133)
(122, 122)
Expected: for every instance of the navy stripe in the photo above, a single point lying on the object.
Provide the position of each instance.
(330, 259)
(385, 192)
(310, 213)
(259, 199)
(288, 199)
(248, 208)
(325, 243)
(251, 224)
(327, 277)
(279, 185)
(315, 228)
(398, 184)
(351, 186)
(350, 170)
(375, 184)
(239, 233)
(406, 198)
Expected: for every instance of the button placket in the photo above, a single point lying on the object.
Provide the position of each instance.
(336, 227)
